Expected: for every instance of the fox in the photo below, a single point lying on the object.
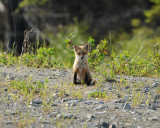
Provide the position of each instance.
(81, 71)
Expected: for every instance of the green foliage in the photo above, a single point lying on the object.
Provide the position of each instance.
(125, 64)
(99, 94)
(91, 41)
(136, 22)
(153, 14)
(67, 36)
(24, 3)
(97, 55)
(45, 57)
(26, 86)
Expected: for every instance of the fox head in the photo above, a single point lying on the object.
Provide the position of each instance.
(81, 52)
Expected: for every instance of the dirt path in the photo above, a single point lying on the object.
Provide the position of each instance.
(51, 100)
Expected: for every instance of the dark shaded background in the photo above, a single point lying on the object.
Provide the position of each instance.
(101, 16)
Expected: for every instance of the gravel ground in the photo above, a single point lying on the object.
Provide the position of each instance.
(70, 111)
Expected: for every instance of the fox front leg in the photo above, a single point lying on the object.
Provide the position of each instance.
(87, 80)
(75, 81)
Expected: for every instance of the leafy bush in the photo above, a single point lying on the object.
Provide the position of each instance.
(97, 55)
(153, 13)
(44, 58)
(134, 66)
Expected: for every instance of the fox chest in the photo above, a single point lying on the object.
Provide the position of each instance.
(81, 66)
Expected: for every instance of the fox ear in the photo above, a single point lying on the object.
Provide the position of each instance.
(86, 46)
(75, 47)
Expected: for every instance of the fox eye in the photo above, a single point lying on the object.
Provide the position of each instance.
(84, 53)
(78, 53)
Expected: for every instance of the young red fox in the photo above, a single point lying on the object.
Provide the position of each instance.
(81, 70)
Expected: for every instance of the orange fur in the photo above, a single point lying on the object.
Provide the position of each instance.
(80, 68)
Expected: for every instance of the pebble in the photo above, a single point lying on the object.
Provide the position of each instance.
(59, 116)
(147, 90)
(36, 102)
(53, 114)
(89, 117)
(88, 102)
(68, 116)
(119, 101)
(46, 122)
(125, 99)
(100, 107)
(156, 97)
(153, 106)
(92, 125)
(9, 122)
(104, 125)
(100, 113)
(127, 106)
(126, 87)
(54, 104)
(156, 84)
(5, 89)
(72, 103)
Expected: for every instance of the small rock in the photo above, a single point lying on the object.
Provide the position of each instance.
(142, 105)
(100, 113)
(126, 98)
(41, 82)
(147, 90)
(53, 114)
(54, 104)
(156, 84)
(89, 116)
(14, 112)
(9, 122)
(92, 125)
(116, 107)
(110, 88)
(68, 116)
(65, 100)
(5, 89)
(156, 119)
(72, 103)
(88, 102)
(95, 102)
(127, 106)
(46, 122)
(59, 116)
(101, 102)
(139, 127)
(127, 87)
(112, 126)
(119, 101)
(157, 97)
(10, 77)
(119, 96)
(153, 106)
(100, 107)
(36, 102)
(104, 125)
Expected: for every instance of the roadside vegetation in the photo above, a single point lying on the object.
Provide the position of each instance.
(115, 56)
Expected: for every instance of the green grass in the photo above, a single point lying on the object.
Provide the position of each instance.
(104, 60)
(122, 63)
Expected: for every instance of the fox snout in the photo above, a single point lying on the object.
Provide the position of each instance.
(82, 57)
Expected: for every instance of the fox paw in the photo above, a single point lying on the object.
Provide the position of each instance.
(93, 82)
(77, 82)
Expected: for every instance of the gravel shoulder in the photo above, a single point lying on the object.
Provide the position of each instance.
(130, 102)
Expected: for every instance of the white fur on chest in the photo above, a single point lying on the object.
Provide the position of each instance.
(80, 64)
